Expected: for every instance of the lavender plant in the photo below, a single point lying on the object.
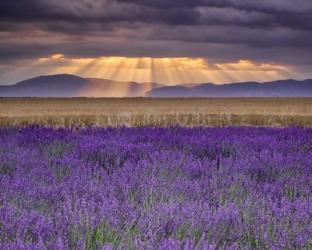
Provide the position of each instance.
(155, 188)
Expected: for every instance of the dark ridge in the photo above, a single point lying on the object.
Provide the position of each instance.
(66, 85)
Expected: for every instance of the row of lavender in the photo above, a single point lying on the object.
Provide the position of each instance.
(155, 188)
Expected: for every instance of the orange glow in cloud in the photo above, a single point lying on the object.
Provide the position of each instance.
(165, 70)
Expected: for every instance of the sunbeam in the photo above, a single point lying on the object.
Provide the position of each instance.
(121, 73)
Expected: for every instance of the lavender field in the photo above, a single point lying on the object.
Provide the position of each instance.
(155, 188)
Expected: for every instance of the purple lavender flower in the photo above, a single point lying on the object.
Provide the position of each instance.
(155, 188)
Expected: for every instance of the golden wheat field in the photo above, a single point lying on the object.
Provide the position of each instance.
(132, 112)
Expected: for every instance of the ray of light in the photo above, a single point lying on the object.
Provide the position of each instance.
(170, 71)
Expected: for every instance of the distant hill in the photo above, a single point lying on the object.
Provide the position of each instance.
(74, 86)
(282, 88)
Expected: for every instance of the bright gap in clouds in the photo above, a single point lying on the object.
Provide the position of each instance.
(169, 71)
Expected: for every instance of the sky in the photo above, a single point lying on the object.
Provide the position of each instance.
(171, 42)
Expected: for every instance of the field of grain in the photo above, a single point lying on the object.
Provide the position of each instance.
(134, 112)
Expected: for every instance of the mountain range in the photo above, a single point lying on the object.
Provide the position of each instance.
(74, 86)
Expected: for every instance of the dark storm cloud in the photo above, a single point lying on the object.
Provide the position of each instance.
(226, 29)
(289, 13)
(92, 11)
(296, 14)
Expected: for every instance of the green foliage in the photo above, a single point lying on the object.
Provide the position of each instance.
(7, 169)
(100, 236)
